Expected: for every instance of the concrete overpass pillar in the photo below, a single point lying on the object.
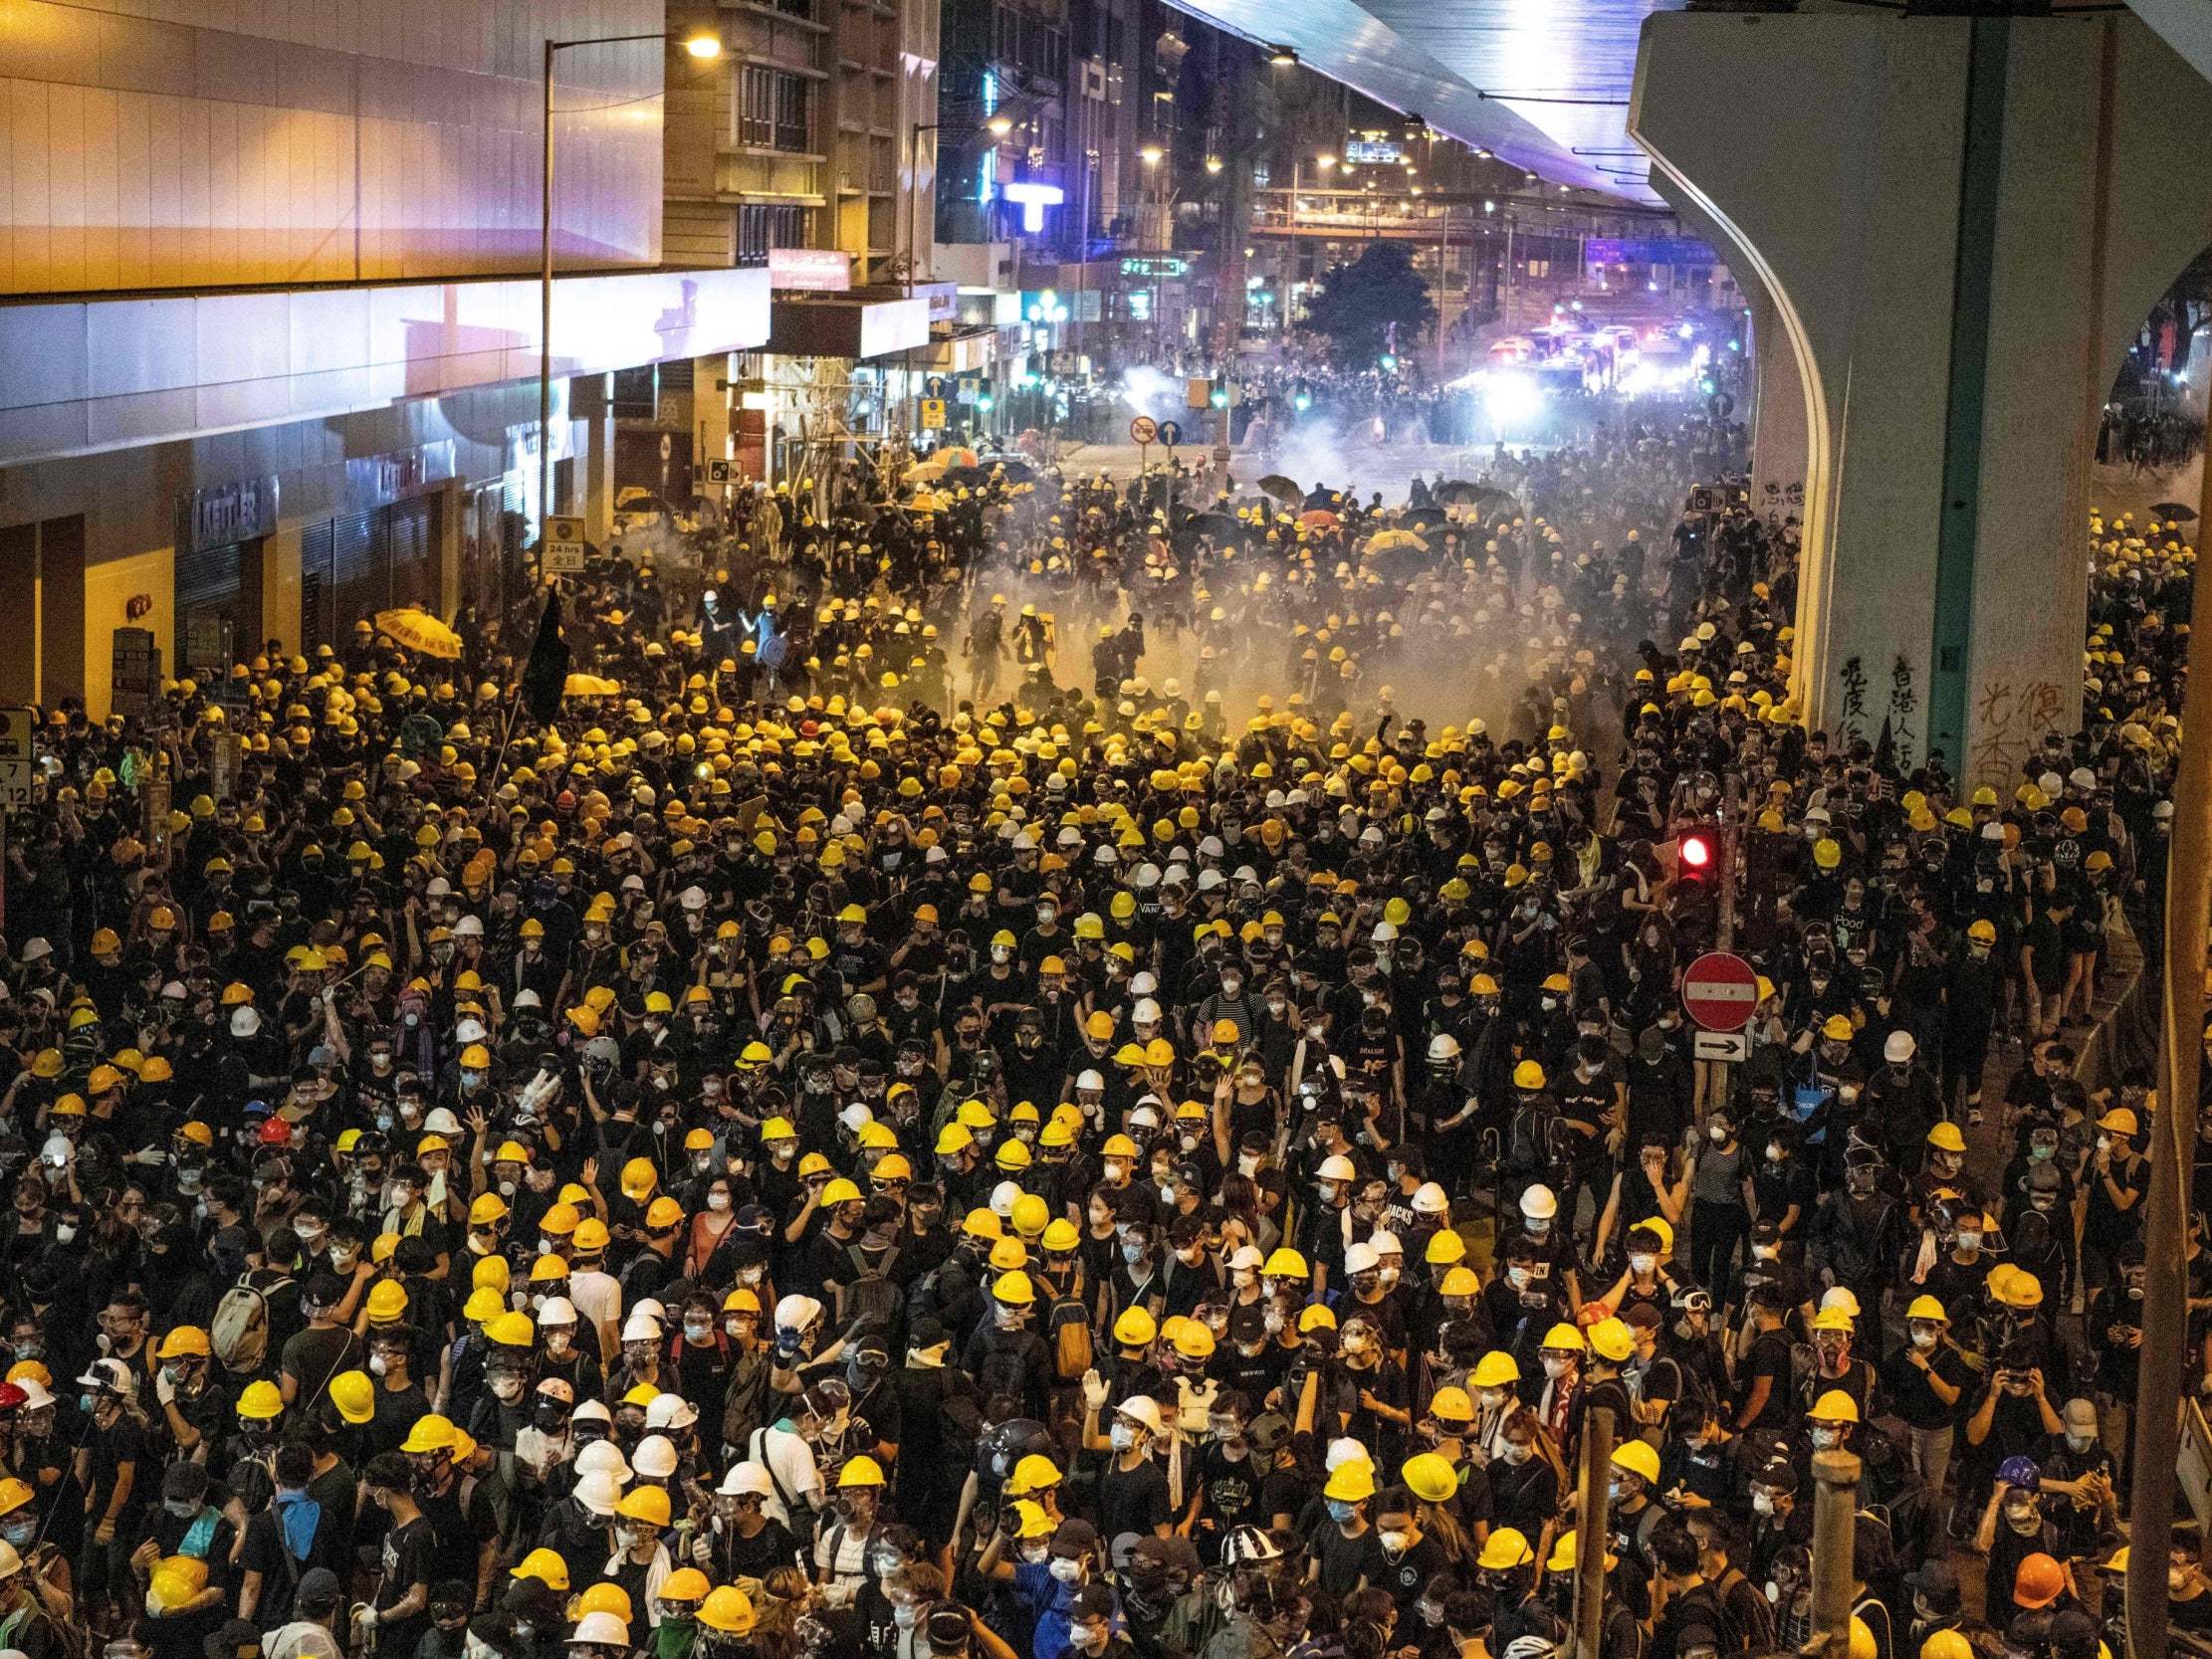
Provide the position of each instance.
(1955, 224)
(1778, 434)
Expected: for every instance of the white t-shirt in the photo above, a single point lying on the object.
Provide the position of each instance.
(789, 1462)
(302, 1640)
(598, 1298)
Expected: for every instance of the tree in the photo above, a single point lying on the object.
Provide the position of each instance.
(1357, 303)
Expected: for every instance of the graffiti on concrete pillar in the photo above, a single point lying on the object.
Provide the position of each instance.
(2010, 720)
(1854, 677)
(1905, 701)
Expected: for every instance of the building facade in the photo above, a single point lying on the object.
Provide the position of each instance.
(272, 361)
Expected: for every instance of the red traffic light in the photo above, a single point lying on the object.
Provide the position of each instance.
(1696, 852)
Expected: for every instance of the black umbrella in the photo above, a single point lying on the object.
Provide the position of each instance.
(1219, 526)
(1425, 518)
(2173, 509)
(1327, 501)
(1284, 490)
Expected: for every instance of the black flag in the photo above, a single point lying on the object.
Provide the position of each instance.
(1885, 747)
(546, 673)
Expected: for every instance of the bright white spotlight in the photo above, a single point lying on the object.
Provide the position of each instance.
(1511, 399)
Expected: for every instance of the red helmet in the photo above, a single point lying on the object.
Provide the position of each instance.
(11, 1396)
(275, 1131)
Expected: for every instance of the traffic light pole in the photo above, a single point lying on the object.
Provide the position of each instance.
(1724, 932)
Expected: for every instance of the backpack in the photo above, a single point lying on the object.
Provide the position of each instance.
(1067, 1331)
(959, 1425)
(1004, 1367)
(870, 1296)
(239, 1331)
(1533, 1138)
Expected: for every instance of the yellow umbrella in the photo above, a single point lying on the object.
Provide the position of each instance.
(954, 455)
(1384, 543)
(926, 472)
(417, 629)
(930, 501)
(591, 685)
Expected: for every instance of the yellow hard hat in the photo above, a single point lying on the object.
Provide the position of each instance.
(1833, 1406)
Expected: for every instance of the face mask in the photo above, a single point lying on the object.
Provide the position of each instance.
(1518, 1451)
(699, 1331)
(1642, 1263)
(1822, 1439)
(2023, 1520)
(1123, 1437)
(2080, 1442)
(377, 1365)
(1923, 1340)
(1397, 1544)
(1555, 1368)
(1065, 1570)
(182, 1509)
(1761, 1504)
(1717, 1134)
(1342, 1513)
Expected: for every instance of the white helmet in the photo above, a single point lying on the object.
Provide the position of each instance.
(556, 1309)
(796, 1313)
(1539, 1203)
(1359, 1257)
(469, 927)
(1146, 1012)
(656, 1456)
(1004, 1197)
(1337, 1167)
(746, 1477)
(1430, 1199)
(1089, 1079)
(598, 1492)
(1444, 1048)
(1898, 1048)
(669, 1410)
(604, 1457)
(641, 1326)
(1384, 933)
(1143, 985)
(601, 1629)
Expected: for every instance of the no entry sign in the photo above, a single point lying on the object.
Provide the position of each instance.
(1720, 991)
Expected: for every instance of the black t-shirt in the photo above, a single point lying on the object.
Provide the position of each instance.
(1345, 1560)
(410, 1558)
(1406, 1576)
(1769, 1358)
(123, 1441)
(1133, 1500)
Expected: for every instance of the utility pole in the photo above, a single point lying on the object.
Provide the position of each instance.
(1593, 1528)
(1236, 213)
(1834, 1513)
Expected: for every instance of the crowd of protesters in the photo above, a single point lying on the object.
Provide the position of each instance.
(900, 1124)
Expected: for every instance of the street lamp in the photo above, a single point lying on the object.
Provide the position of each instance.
(1212, 163)
(703, 45)
(1282, 56)
(1150, 154)
(1325, 162)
